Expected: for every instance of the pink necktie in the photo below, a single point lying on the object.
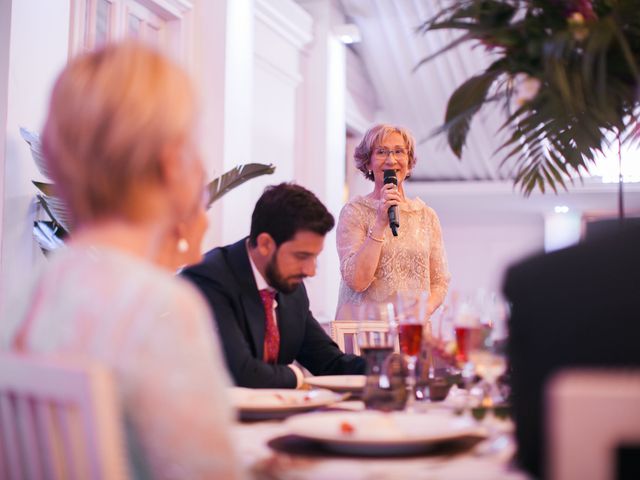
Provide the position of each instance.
(271, 333)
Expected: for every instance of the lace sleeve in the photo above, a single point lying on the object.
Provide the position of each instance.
(187, 432)
(350, 234)
(438, 268)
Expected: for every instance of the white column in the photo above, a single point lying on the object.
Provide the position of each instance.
(263, 48)
(224, 62)
(321, 160)
(238, 115)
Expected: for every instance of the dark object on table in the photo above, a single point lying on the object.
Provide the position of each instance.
(572, 308)
(439, 387)
(386, 389)
(628, 462)
(295, 445)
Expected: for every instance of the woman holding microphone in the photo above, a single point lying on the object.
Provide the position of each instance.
(374, 263)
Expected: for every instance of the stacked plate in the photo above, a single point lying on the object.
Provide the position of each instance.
(338, 383)
(258, 404)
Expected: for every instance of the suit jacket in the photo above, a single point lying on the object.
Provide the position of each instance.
(226, 279)
(572, 308)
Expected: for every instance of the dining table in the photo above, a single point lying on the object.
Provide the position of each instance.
(269, 449)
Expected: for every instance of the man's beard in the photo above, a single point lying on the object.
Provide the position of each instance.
(276, 280)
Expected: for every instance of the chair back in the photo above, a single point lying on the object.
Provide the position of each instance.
(591, 413)
(58, 420)
(344, 333)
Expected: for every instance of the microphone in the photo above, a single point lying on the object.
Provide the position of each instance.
(390, 177)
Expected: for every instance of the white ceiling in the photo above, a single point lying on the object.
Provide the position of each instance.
(391, 49)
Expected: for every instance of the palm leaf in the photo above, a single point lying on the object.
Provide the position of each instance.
(236, 177)
(33, 139)
(48, 235)
(464, 103)
(46, 188)
(57, 211)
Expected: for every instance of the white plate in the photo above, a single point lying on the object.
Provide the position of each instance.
(378, 433)
(338, 383)
(269, 403)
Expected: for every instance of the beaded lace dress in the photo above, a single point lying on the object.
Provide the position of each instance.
(414, 260)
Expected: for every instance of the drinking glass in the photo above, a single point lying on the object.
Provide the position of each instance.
(376, 336)
(411, 318)
(467, 313)
(489, 359)
(436, 368)
(376, 333)
(467, 327)
(488, 355)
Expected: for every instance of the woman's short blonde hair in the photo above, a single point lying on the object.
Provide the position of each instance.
(112, 114)
(374, 136)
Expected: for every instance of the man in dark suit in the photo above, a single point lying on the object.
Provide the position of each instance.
(256, 291)
(572, 308)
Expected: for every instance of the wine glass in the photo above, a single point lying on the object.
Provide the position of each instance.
(468, 332)
(437, 365)
(489, 359)
(411, 318)
(488, 355)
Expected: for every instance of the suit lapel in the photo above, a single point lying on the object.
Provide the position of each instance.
(249, 296)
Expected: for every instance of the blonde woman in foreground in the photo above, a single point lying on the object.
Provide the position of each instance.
(119, 141)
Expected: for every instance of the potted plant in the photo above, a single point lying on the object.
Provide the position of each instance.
(566, 73)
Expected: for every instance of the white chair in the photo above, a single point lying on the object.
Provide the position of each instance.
(58, 420)
(590, 414)
(344, 333)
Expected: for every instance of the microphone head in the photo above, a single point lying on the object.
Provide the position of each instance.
(390, 177)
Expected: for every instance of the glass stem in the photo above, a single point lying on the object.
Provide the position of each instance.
(411, 383)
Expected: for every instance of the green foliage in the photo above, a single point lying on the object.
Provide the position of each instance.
(51, 233)
(236, 177)
(584, 58)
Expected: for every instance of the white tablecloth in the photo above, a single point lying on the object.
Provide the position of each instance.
(264, 462)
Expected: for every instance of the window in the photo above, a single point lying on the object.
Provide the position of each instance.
(96, 22)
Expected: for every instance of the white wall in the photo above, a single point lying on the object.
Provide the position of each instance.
(5, 30)
(38, 45)
(481, 246)
(486, 227)
(209, 20)
(489, 225)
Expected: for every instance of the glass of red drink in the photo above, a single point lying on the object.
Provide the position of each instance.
(411, 318)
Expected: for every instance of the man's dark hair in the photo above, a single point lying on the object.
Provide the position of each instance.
(284, 210)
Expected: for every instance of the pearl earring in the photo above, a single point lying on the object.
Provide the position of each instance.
(183, 245)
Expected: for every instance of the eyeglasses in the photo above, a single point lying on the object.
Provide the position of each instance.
(385, 152)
